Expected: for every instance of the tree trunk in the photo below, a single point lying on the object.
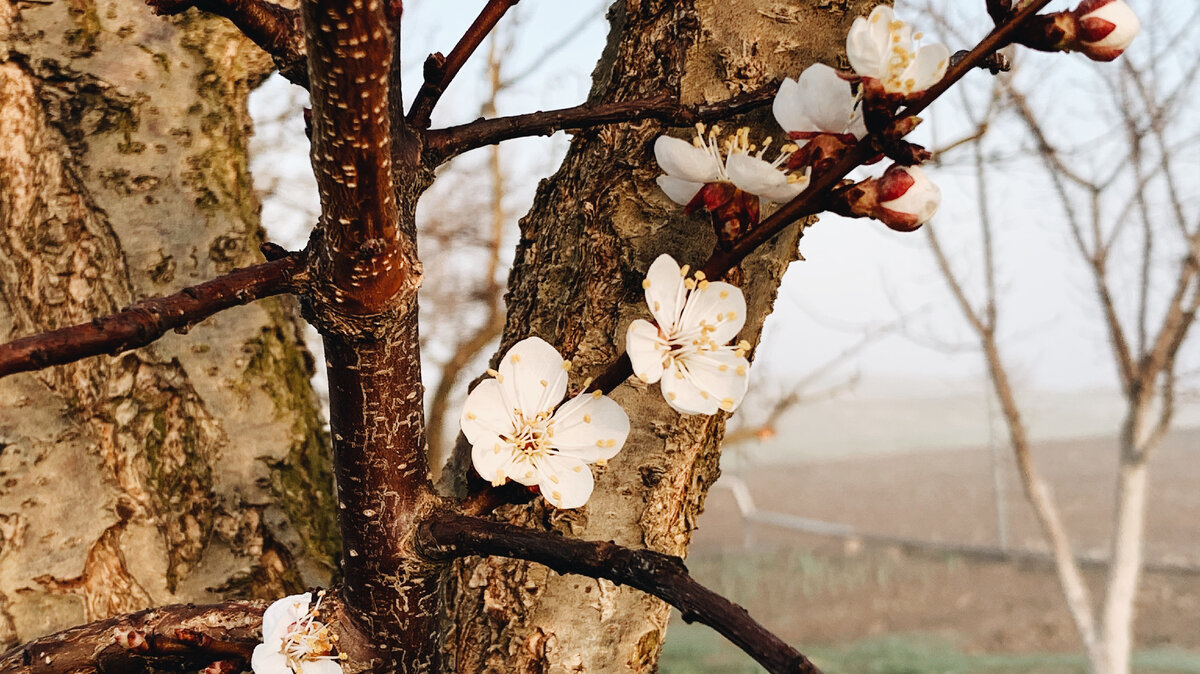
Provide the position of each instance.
(594, 229)
(186, 471)
(1129, 523)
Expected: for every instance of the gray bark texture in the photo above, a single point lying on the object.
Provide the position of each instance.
(196, 468)
(594, 229)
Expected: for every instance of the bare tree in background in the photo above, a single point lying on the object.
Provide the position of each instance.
(1123, 201)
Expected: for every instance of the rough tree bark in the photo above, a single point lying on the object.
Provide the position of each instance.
(190, 470)
(576, 282)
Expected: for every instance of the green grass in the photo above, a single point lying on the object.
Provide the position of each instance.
(695, 649)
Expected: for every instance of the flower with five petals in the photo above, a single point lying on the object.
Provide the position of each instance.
(518, 430)
(686, 347)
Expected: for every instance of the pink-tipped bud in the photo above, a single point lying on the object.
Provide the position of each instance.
(1104, 28)
(906, 198)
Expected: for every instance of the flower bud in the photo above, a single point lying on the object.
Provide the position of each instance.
(1104, 28)
(903, 198)
(907, 198)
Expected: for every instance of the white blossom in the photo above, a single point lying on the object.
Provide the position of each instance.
(294, 641)
(686, 347)
(708, 159)
(881, 48)
(819, 102)
(517, 433)
(1106, 28)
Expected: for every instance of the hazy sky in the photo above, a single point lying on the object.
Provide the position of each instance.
(858, 275)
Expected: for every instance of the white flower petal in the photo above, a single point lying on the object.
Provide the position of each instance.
(269, 659)
(790, 107)
(320, 667)
(868, 44)
(760, 178)
(1126, 23)
(683, 395)
(646, 349)
(665, 291)
(683, 160)
(723, 374)
(828, 102)
(590, 428)
(716, 304)
(485, 415)
(494, 462)
(921, 200)
(283, 612)
(566, 482)
(532, 377)
(678, 190)
(928, 68)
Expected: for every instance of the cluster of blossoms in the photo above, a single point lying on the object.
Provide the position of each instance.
(516, 422)
(822, 113)
(294, 641)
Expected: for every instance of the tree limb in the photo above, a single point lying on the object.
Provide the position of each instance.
(445, 143)
(180, 637)
(812, 200)
(663, 576)
(276, 29)
(441, 70)
(146, 321)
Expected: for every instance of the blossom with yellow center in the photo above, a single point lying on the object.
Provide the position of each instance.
(686, 348)
(518, 431)
(881, 50)
(294, 641)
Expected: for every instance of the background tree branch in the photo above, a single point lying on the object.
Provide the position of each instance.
(146, 321)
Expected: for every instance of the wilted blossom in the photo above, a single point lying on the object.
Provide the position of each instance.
(518, 430)
(294, 641)
(882, 51)
(686, 347)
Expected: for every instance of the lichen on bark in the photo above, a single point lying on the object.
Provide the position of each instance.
(146, 478)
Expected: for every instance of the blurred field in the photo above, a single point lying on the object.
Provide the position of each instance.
(862, 606)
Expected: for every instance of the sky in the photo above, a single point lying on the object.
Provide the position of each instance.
(858, 276)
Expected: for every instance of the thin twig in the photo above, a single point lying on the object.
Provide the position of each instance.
(146, 321)
(445, 143)
(812, 200)
(663, 576)
(441, 70)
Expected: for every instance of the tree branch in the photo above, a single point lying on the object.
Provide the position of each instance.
(440, 70)
(445, 143)
(146, 321)
(663, 576)
(276, 29)
(179, 637)
(369, 259)
(812, 200)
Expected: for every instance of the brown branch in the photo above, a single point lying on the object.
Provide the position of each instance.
(441, 70)
(812, 200)
(146, 321)
(663, 576)
(276, 29)
(364, 251)
(179, 637)
(445, 143)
